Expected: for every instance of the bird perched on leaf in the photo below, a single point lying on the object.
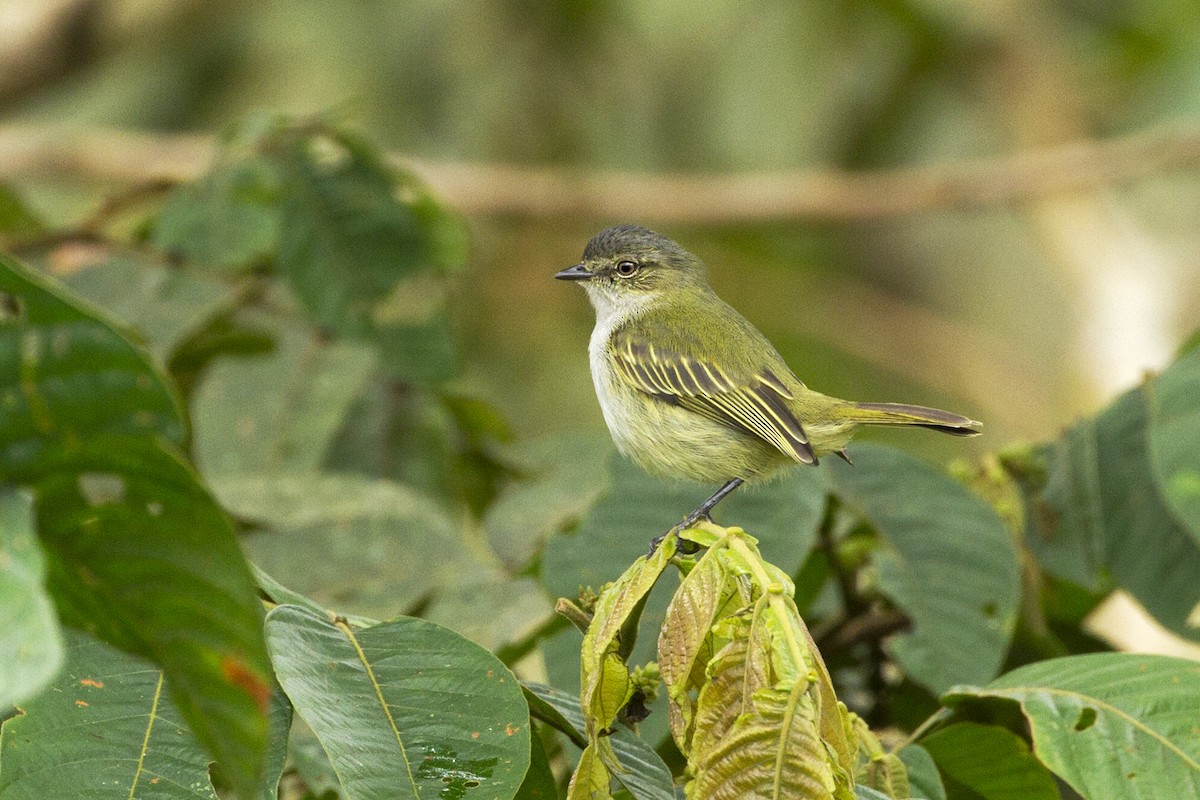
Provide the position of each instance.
(690, 389)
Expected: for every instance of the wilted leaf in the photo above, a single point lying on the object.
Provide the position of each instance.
(639, 768)
(774, 751)
(606, 684)
(1112, 725)
(685, 637)
(30, 637)
(105, 728)
(403, 708)
(949, 562)
(591, 780)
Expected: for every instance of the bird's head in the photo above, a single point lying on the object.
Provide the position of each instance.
(628, 266)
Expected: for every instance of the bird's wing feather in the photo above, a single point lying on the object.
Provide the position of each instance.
(754, 402)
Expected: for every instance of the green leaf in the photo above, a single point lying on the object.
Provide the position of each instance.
(539, 783)
(164, 305)
(782, 515)
(404, 708)
(347, 542)
(488, 607)
(559, 485)
(30, 638)
(140, 554)
(1174, 438)
(591, 779)
(993, 762)
(67, 373)
(279, 727)
(606, 681)
(105, 728)
(949, 562)
(923, 777)
(279, 411)
(1098, 495)
(1112, 725)
(345, 238)
(640, 769)
(226, 219)
(17, 220)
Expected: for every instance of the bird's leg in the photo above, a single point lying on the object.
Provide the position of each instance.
(701, 512)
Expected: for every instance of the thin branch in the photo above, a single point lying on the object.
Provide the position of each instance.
(555, 193)
(868, 626)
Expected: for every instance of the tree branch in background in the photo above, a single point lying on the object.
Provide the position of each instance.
(551, 192)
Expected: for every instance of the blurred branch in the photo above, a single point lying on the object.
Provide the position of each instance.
(549, 192)
(43, 41)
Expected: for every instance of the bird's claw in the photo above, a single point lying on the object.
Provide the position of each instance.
(685, 547)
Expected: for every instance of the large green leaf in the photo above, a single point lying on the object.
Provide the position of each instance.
(225, 219)
(558, 485)
(105, 728)
(923, 778)
(1112, 725)
(404, 708)
(993, 762)
(30, 638)
(279, 727)
(642, 771)
(949, 562)
(345, 238)
(782, 515)
(67, 373)
(359, 545)
(164, 304)
(539, 783)
(1095, 493)
(278, 411)
(141, 554)
(1174, 438)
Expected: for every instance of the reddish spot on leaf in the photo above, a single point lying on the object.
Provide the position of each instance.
(90, 682)
(81, 703)
(510, 729)
(247, 680)
(474, 734)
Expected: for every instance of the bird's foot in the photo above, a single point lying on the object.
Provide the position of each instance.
(684, 547)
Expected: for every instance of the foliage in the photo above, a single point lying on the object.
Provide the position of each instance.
(266, 365)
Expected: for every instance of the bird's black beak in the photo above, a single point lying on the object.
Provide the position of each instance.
(579, 272)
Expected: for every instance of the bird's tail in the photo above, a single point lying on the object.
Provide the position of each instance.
(903, 414)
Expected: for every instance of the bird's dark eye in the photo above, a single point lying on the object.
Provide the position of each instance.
(627, 268)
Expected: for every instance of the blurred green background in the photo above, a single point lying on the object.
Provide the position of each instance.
(985, 207)
(1023, 314)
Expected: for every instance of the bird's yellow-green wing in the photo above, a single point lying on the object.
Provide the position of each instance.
(752, 401)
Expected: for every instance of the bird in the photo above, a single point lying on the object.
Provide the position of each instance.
(690, 389)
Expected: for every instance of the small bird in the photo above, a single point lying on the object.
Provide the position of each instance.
(690, 389)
